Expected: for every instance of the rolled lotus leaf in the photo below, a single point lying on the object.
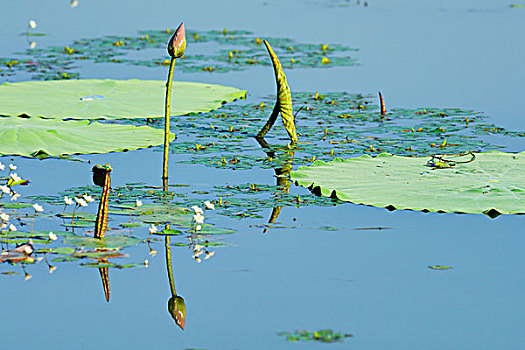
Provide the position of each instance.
(283, 104)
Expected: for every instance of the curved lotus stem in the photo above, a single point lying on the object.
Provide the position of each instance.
(102, 178)
(283, 104)
(176, 48)
(383, 108)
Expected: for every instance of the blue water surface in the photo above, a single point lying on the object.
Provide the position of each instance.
(374, 284)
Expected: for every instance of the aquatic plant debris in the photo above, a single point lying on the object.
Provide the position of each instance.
(37, 137)
(132, 98)
(322, 336)
(492, 184)
(236, 50)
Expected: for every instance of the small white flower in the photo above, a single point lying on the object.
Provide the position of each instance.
(32, 45)
(74, 3)
(199, 218)
(88, 199)
(198, 228)
(68, 200)
(197, 259)
(12, 227)
(52, 268)
(209, 205)
(4, 226)
(153, 252)
(146, 262)
(12, 167)
(4, 217)
(32, 23)
(5, 189)
(153, 229)
(138, 203)
(28, 276)
(38, 208)
(15, 177)
(81, 202)
(15, 196)
(2, 166)
(197, 210)
(52, 236)
(209, 255)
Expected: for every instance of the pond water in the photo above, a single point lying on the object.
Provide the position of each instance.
(319, 267)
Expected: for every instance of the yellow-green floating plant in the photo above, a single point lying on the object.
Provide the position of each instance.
(283, 104)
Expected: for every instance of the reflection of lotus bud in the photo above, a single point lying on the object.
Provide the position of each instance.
(177, 43)
(177, 310)
(99, 174)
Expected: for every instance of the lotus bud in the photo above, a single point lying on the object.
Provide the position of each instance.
(177, 43)
(99, 174)
(177, 310)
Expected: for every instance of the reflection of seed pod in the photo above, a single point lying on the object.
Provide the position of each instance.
(177, 310)
(99, 174)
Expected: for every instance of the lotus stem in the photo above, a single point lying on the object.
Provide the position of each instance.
(167, 125)
(270, 122)
(383, 108)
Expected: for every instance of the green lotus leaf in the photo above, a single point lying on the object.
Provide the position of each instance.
(493, 183)
(110, 99)
(37, 137)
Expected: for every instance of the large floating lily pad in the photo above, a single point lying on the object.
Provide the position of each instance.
(493, 183)
(37, 137)
(110, 99)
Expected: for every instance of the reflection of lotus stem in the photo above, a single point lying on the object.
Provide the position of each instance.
(170, 269)
(102, 214)
(104, 276)
(73, 215)
(167, 125)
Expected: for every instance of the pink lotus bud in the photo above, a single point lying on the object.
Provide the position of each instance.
(177, 43)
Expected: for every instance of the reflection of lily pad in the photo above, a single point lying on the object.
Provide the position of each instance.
(493, 183)
(110, 99)
(38, 137)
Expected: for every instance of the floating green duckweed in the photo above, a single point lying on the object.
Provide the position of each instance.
(212, 51)
(329, 125)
